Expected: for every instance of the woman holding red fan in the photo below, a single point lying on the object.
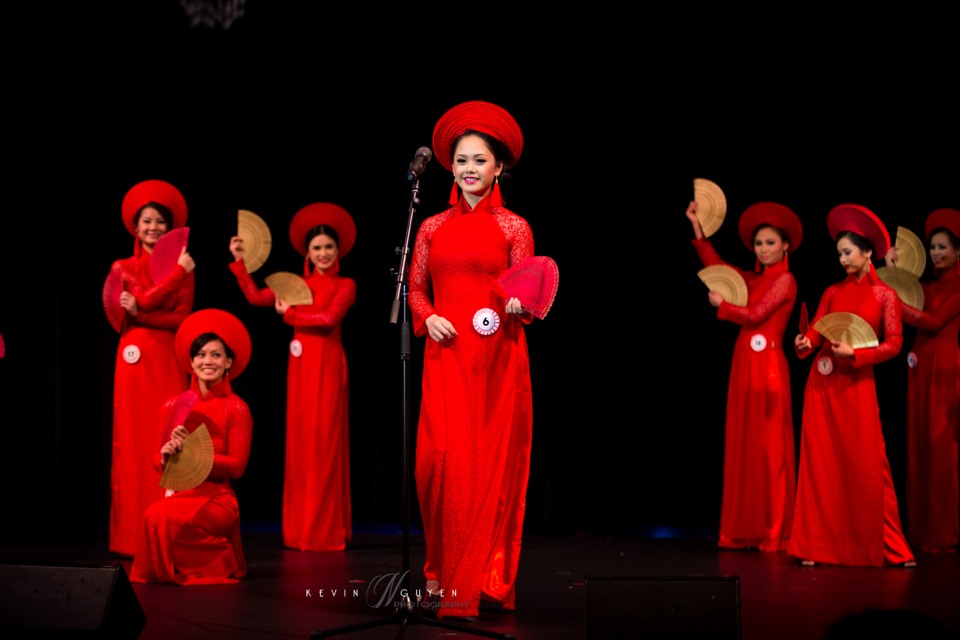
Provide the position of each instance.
(476, 415)
(933, 393)
(146, 311)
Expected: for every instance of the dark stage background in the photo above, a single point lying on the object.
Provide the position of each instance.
(290, 106)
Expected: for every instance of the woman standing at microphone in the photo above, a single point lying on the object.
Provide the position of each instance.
(476, 414)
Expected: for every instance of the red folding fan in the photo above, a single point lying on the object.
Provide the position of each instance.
(181, 410)
(166, 252)
(534, 282)
(112, 288)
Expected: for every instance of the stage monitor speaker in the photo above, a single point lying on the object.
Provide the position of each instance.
(661, 608)
(68, 601)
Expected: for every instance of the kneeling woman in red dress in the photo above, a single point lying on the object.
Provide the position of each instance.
(193, 536)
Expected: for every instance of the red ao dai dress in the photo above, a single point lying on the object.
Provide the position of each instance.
(476, 415)
(193, 537)
(759, 465)
(846, 511)
(933, 416)
(316, 487)
(146, 375)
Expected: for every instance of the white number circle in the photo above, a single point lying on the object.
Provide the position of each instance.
(825, 365)
(296, 348)
(486, 322)
(131, 354)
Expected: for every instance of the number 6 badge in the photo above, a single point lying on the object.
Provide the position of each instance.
(486, 322)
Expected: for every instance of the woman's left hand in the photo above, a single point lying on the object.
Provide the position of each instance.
(280, 305)
(842, 350)
(129, 303)
(715, 298)
(514, 306)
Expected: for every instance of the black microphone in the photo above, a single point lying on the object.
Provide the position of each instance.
(419, 163)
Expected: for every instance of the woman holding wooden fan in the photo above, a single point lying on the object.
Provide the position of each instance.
(759, 468)
(192, 536)
(145, 299)
(933, 393)
(316, 488)
(846, 511)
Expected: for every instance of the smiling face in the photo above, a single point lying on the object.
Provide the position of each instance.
(942, 253)
(151, 225)
(322, 252)
(211, 362)
(474, 167)
(769, 246)
(853, 260)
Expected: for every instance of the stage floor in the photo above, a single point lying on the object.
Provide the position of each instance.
(636, 584)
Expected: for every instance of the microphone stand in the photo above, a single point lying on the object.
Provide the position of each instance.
(406, 613)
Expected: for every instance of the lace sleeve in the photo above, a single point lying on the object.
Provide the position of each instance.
(519, 235)
(151, 298)
(782, 292)
(421, 291)
(932, 322)
(255, 295)
(705, 251)
(171, 318)
(891, 330)
(233, 462)
(331, 316)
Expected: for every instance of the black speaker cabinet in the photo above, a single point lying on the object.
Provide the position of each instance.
(661, 608)
(68, 601)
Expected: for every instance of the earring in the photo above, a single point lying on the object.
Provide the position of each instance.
(496, 200)
(454, 194)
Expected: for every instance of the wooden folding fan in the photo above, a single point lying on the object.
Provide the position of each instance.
(712, 203)
(911, 254)
(256, 237)
(726, 281)
(907, 285)
(849, 328)
(192, 465)
(290, 288)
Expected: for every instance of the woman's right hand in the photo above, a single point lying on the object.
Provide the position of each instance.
(236, 247)
(186, 260)
(802, 343)
(175, 444)
(691, 214)
(893, 255)
(439, 328)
